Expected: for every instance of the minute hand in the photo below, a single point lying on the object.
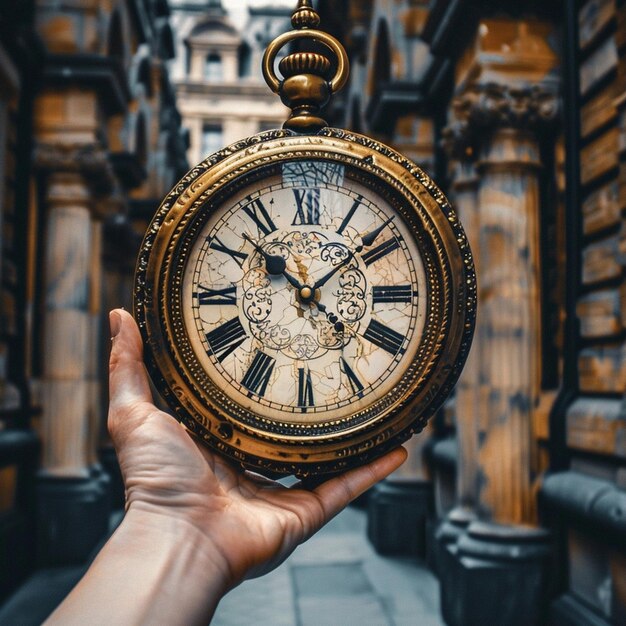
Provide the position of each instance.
(324, 279)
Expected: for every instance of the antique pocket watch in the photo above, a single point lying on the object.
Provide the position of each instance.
(306, 296)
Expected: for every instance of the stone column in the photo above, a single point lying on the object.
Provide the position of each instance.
(470, 388)
(72, 504)
(398, 507)
(503, 549)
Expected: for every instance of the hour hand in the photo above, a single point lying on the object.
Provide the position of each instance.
(275, 265)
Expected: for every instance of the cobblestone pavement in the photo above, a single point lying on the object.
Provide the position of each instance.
(336, 579)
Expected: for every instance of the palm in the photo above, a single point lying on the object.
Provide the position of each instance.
(258, 522)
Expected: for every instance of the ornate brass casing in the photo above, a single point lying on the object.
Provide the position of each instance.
(282, 448)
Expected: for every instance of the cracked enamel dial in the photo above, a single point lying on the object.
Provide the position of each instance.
(305, 296)
(306, 301)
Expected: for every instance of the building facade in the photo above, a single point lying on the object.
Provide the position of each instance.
(221, 93)
(518, 110)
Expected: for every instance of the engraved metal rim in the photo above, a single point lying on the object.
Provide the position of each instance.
(332, 455)
(262, 427)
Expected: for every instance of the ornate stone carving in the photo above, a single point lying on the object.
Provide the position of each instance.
(492, 106)
(90, 160)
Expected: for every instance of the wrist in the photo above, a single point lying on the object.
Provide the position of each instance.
(155, 569)
(181, 543)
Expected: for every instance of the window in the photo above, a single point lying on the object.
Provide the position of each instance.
(268, 125)
(212, 140)
(213, 68)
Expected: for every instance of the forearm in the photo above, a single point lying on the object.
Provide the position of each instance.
(153, 570)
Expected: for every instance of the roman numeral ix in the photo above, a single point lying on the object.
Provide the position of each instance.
(206, 296)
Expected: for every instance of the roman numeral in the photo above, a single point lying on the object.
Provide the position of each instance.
(392, 294)
(258, 213)
(307, 207)
(355, 384)
(238, 257)
(258, 375)
(381, 251)
(350, 215)
(385, 338)
(206, 296)
(226, 338)
(305, 389)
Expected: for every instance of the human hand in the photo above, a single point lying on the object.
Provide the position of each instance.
(246, 524)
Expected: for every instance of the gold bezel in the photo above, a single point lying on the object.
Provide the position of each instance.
(284, 448)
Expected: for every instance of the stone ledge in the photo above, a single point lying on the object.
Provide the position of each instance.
(594, 505)
(93, 70)
(391, 101)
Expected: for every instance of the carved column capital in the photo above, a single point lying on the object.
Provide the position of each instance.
(494, 105)
(89, 160)
(489, 107)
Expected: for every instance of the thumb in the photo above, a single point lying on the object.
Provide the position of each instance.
(128, 380)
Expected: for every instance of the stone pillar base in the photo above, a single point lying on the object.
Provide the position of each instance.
(72, 517)
(396, 517)
(496, 575)
(446, 534)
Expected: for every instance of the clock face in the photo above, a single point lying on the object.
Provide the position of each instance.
(305, 295)
(306, 301)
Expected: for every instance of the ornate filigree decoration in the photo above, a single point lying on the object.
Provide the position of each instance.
(489, 107)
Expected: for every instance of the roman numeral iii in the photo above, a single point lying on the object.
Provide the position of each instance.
(392, 294)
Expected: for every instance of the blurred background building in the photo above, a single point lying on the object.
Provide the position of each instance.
(516, 496)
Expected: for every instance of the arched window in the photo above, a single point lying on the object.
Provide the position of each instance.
(382, 58)
(213, 68)
(245, 60)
